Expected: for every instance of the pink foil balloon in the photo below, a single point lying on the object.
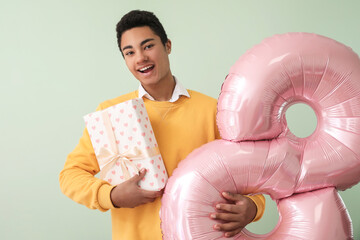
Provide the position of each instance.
(260, 155)
(319, 214)
(299, 68)
(196, 185)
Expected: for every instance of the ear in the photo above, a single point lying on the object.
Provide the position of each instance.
(168, 46)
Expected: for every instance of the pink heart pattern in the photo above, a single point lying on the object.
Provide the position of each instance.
(129, 130)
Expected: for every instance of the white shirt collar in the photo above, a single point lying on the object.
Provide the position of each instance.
(178, 91)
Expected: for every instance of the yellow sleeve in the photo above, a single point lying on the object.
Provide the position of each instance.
(77, 180)
(259, 201)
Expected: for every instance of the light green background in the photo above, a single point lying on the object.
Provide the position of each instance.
(59, 59)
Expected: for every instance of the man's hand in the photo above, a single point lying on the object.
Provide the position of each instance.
(129, 195)
(237, 213)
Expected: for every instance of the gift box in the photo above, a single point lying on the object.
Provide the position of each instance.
(124, 143)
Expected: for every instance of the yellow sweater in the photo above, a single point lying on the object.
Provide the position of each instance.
(179, 128)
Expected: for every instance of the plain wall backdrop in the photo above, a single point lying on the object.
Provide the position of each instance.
(59, 60)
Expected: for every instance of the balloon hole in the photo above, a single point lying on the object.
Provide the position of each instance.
(268, 221)
(301, 120)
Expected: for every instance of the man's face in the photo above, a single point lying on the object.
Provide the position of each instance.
(145, 56)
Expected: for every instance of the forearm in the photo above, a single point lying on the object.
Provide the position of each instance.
(85, 189)
(77, 179)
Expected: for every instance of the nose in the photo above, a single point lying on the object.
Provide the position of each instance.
(141, 57)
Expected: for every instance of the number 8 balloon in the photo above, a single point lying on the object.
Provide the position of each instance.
(258, 153)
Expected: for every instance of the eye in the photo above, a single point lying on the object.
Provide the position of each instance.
(129, 53)
(149, 46)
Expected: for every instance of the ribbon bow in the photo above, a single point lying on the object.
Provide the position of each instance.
(108, 156)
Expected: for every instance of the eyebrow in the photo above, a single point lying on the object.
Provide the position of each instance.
(141, 44)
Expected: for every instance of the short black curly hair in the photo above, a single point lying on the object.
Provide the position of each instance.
(139, 18)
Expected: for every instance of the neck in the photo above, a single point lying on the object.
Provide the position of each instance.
(163, 90)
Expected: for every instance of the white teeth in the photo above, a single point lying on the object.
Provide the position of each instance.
(145, 68)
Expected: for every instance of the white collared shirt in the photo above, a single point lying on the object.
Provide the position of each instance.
(178, 91)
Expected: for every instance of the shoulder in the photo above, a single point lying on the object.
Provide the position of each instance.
(197, 96)
(201, 103)
(117, 100)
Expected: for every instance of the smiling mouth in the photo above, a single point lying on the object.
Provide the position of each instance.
(146, 69)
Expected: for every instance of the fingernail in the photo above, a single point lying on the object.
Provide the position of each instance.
(216, 227)
(213, 215)
(217, 206)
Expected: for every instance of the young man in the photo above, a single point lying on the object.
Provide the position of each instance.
(182, 121)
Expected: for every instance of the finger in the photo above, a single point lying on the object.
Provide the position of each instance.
(139, 176)
(228, 217)
(232, 196)
(150, 198)
(227, 227)
(147, 200)
(232, 233)
(151, 194)
(232, 208)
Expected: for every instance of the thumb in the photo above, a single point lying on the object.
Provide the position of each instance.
(140, 176)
